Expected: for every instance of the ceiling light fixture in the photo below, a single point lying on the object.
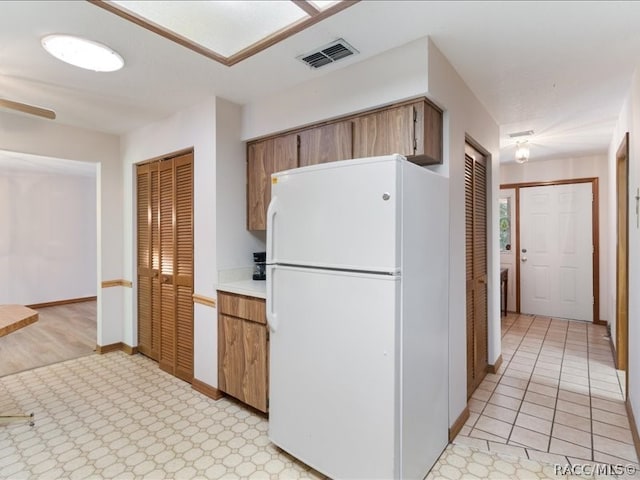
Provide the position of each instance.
(83, 53)
(522, 151)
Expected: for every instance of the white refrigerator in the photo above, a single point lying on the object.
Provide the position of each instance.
(357, 308)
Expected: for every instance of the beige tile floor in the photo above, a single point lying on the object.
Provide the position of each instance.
(116, 416)
(556, 397)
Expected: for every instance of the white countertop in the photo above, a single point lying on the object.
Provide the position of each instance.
(238, 280)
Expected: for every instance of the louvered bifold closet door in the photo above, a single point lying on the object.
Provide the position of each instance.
(167, 264)
(476, 268)
(147, 254)
(480, 267)
(155, 262)
(468, 203)
(183, 167)
(143, 219)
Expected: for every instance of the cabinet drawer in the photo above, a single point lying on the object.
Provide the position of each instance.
(241, 306)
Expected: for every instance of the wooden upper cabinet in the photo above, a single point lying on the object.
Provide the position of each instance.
(264, 158)
(413, 130)
(428, 134)
(328, 143)
(384, 132)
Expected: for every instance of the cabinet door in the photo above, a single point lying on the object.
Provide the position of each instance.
(230, 356)
(428, 131)
(242, 360)
(329, 143)
(255, 365)
(385, 132)
(263, 159)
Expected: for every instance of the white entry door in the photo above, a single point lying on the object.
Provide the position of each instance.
(556, 251)
(508, 242)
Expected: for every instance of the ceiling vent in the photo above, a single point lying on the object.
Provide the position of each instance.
(524, 133)
(328, 54)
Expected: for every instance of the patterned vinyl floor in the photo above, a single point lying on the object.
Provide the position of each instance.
(120, 417)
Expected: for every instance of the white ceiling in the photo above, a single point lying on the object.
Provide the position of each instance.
(561, 69)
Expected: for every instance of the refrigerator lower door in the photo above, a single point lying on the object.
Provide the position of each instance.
(334, 375)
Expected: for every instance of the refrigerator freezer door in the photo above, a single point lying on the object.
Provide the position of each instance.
(333, 384)
(342, 215)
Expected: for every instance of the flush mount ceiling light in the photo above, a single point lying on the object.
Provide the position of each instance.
(83, 53)
(522, 151)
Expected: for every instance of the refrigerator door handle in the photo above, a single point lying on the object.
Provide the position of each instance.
(272, 317)
(271, 216)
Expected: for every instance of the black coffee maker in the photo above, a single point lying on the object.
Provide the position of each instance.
(259, 267)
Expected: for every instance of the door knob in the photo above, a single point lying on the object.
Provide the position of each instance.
(523, 259)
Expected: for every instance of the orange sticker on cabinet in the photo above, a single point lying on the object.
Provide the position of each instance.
(274, 180)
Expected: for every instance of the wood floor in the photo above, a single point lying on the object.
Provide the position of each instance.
(61, 333)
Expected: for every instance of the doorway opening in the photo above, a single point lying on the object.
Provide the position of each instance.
(582, 193)
(49, 207)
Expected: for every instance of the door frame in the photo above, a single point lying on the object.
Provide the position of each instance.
(595, 234)
(622, 255)
(514, 247)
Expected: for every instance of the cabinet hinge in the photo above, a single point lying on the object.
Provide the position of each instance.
(415, 115)
(298, 140)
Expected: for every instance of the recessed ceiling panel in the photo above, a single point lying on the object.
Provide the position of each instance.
(225, 27)
(322, 4)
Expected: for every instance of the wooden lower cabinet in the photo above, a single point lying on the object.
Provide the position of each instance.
(243, 349)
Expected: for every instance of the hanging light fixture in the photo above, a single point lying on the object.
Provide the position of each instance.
(522, 151)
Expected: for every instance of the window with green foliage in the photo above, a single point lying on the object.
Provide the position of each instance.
(505, 224)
